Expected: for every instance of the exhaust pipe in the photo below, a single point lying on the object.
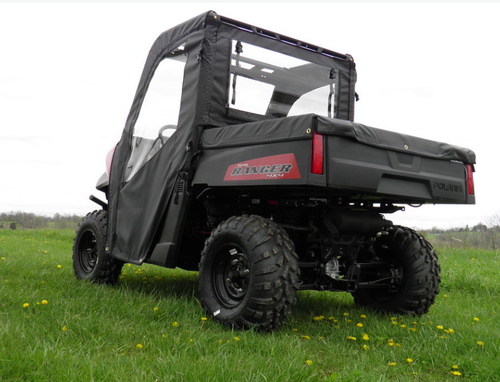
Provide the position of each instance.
(349, 222)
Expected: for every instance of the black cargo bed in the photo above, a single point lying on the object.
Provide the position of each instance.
(369, 162)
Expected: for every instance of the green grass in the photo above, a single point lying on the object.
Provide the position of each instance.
(89, 332)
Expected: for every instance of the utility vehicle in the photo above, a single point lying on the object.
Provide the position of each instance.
(240, 159)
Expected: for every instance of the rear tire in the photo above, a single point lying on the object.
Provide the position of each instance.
(90, 261)
(413, 258)
(249, 274)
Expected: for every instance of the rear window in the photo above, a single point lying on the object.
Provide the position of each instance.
(273, 85)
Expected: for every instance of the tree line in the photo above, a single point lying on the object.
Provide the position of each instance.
(478, 236)
(486, 238)
(29, 220)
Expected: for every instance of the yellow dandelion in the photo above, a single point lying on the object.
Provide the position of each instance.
(64, 328)
(454, 367)
(440, 327)
(362, 316)
(409, 360)
(139, 346)
(390, 343)
(295, 330)
(346, 314)
(331, 318)
(476, 319)
(44, 302)
(318, 318)
(236, 338)
(351, 338)
(59, 266)
(25, 305)
(445, 296)
(203, 318)
(392, 363)
(220, 342)
(306, 337)
(175, 324)
(403, 326)
(3, 258)
(366, 347)
(366, 337)
(309, 362)
(456, 373)
(359, 325)
(191, 340)
(480, 343)
(156, 309)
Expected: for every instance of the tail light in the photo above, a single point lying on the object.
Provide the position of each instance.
(470, 179)
(109, 159)
(317, 154)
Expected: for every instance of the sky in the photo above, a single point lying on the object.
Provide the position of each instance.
(69, 71)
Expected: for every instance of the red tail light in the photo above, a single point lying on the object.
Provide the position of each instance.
(470, 179)
(317, 154)
(109, 159)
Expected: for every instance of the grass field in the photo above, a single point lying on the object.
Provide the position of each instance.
(150, 327)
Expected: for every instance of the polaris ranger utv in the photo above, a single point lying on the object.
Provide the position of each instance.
(240, 159)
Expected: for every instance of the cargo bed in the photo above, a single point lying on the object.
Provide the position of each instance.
(369, 162)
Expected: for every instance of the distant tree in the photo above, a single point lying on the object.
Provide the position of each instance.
(480, 228)
(493, 233)
(13, 226)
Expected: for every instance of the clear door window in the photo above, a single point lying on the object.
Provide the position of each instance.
(159, 112)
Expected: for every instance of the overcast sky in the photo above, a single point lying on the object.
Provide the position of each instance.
(69, 71)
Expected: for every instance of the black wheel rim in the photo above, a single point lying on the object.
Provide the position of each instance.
(87, 251)
(231, 275)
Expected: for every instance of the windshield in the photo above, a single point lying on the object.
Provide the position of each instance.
(274, 85)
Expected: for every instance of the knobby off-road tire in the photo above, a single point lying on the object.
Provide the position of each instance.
(249, 274)
(416, 262)
(90, 261)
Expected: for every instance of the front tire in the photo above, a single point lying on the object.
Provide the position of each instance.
(249, 274)
(413, 259)
(90, 261)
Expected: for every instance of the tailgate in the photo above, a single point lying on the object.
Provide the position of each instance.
(404, 168)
